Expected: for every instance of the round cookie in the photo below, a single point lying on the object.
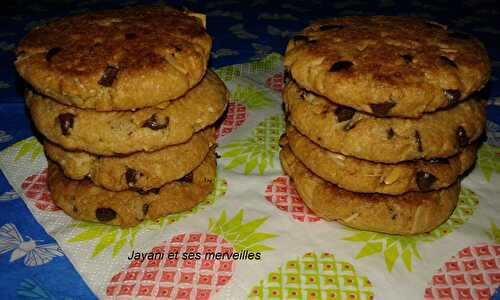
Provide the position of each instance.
(410, 213)
(388, 140)
(363, 176)
(387, 66)
(124, 132)
(141, 170)
(116, 59)
(83, 200)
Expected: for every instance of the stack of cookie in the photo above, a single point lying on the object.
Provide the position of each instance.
(383, 120)
(127, 106)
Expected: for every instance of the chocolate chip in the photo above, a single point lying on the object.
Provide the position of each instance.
(394, 217)
(459, 35)
(105, 214)
(407, 58)
(217, 155)
(300, 38)
(145, 209)
(446, 61)
(51, 53)
(66, 122)
(131, 177)
(425, 180)
(108, 77)
(330, 26)
(130, 35)
(342, 65)
(463, 140)
(188, 178)
(381, 109)
(143, 192)
(344, 113)
(390, 133)
(452, 95)
(152, 123)
(438, 161)
(418, 141)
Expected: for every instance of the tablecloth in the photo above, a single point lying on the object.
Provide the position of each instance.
(254, 208)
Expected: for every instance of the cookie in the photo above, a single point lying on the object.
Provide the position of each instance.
(83, 200)
(387, 66)
(388, 140)
(410, 213)
(116, 59)
(363, 176)
(124, 132)
(141, 170)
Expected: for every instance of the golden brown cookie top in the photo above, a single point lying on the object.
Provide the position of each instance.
(116, 59)
(390, 66)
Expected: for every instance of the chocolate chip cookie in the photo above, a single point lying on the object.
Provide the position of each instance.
(83, 200)
(410, 213)
(141, 170)
(358, 175)
(344, 130)
(124, 132)
(116, 59)
(387, 66)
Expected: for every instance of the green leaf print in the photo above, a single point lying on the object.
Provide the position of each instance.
(258, 151)
(314, 276)
(396, 247)
(267, 64)
(243, 236)
(91, 232)
(28, 146)
(391, 255)
(116, 238)
(489, 160)
(494, 232)
(251, 97)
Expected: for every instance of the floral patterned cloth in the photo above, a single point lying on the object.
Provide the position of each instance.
(46, 255)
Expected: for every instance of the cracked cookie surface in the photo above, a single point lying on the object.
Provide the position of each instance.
(140, 170)
(116, 59)
(387, 66)
(125, 132)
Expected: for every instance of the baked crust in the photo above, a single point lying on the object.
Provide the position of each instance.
(391, 66)
(339, 129)
(83, 200)
(116, 59)
(125, 132)
(410, 213)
